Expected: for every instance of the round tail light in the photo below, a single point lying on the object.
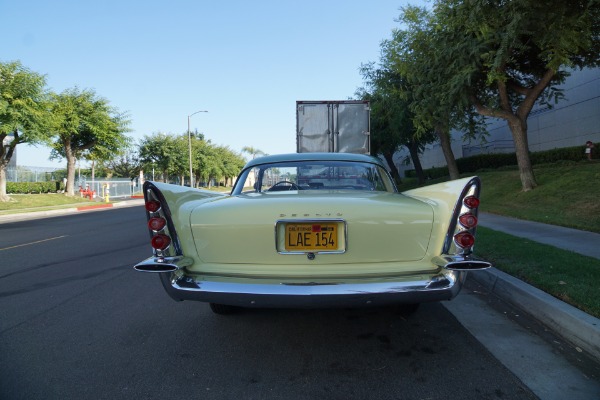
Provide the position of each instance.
(156, 224)
(468, 220)
(153, 206)
(464, 239)
(161, 242)
(471, 201)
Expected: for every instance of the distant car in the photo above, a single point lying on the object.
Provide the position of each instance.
(312, 230)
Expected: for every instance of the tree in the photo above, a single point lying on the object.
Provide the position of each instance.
(202, 158)
(84, 124)
(231, 163)
(392, 123)
(161, 151)
(408, 53)
(501, 57)
(22, 113)
(252, 151)
(103, 152)
(125, 165)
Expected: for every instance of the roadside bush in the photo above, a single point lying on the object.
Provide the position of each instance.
(489, 162)
(576, 153)
(431, 173)
(32, 187)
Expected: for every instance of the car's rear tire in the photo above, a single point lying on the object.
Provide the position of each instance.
(223, 309)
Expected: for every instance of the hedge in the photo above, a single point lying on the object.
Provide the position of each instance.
(32, 187)
(500, 160)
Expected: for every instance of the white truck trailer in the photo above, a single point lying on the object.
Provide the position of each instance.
(333, 126)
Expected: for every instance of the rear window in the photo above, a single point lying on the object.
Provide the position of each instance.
(315, 175)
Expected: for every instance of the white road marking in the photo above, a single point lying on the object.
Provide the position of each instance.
(38, 241)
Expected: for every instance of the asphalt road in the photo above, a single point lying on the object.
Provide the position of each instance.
(77, 322)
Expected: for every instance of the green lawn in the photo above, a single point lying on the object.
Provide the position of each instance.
(40, 202)
(571, 277)
(567, 195)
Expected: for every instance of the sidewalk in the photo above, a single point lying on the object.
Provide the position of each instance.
(577, 327)
(586, 243)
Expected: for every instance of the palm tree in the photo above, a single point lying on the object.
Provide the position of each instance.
(252, 151)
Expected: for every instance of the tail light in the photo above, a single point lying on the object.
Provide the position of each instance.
(157, 224)
(163, 238)
(461, 232)
(471, 201)
(152, 206)
(160, 242)
(167, 254)
(464, 239)
(468, 220)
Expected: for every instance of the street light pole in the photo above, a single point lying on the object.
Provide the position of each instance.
(190, 147)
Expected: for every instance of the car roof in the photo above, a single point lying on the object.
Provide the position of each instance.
(314, 157)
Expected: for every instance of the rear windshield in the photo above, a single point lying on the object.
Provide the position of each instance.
(314, 175)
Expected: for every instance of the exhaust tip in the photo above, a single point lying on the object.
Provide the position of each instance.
(155, 268)
(163, 264)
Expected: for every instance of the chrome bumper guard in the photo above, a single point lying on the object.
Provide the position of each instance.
(253, 293)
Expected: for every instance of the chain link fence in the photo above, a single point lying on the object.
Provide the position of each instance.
(34, 174)
(114, 188)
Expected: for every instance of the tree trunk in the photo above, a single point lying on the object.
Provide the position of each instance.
(389, 158)
(518, 128)
(3, 195)
(413, 149)
(71, 161)
(6, 154)
(444, 136)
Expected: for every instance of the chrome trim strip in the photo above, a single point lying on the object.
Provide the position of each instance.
(253, 293)
(163, 264)
(460, 262)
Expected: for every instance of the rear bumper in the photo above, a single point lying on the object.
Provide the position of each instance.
(254, 293)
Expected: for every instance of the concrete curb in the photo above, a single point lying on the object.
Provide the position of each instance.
(574, 325)
(64, 211)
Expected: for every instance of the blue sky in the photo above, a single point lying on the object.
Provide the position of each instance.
(246, 62)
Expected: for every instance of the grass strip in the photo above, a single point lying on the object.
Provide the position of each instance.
(41, 202)
(568, 276)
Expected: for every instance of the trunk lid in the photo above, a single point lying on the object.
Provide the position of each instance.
(380, 227)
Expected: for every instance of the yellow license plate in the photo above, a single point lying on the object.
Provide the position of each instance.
(311, 237)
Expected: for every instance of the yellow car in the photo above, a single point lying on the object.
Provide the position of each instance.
(312, 230)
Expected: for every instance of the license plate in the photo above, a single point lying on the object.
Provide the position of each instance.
(311, 237)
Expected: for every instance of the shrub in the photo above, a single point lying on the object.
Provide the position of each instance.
(480, 161)
(32, 187)
(487, 162)
(431, 173)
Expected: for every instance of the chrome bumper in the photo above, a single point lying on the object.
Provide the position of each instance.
(253, 293)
